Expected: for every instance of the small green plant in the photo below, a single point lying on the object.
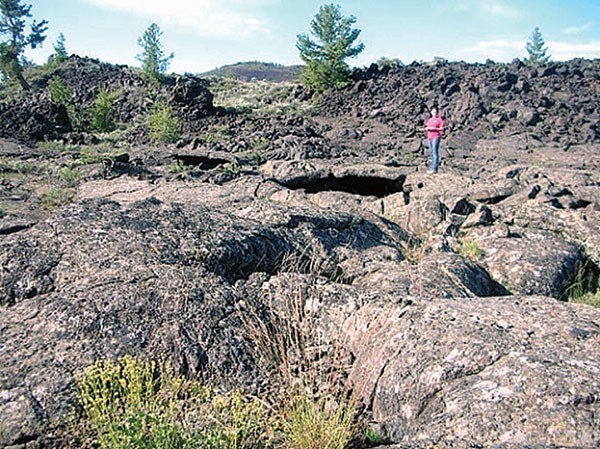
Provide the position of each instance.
(69, 175)
(217, 134)
(100, 113)
(137, 404)
(176, 167)
(260, 144)
(470, 249)
(585, 288)
(59, 92)
(163, 125)
(409, 156)
(373, 438)
(56, 197)
(312, 423)
(101, 153)
(232, 168)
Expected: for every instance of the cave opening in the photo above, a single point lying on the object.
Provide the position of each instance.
(358, 185)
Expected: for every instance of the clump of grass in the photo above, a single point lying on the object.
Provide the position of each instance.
(217, 134)
(585, 288)
(590, 299)
(310, 423)
(93, 154)
(18, 166)
(69, 175)
(315, 407)
(56, 197)
(138, 404)
(262, 97)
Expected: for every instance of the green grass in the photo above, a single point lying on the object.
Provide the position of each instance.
(590, 299)
(136, 404)
(470, 249)
(261, 97)
(318, 423)
(56, 197)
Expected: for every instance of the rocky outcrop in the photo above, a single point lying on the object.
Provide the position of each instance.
(446, 294)
(36, 118)
(555, 102)
(141, 268)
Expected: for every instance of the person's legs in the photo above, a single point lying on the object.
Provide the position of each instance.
(434, 148)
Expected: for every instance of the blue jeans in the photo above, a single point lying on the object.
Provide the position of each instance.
(434, 148)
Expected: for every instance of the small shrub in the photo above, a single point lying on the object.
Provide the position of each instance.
(69, 175)
(163, 125)
(100, 113)
(93, 154)
(136, 404)
(59, 92)
(217, 134)
(17, 166)
(470, 249)
(373, 438)
(56, 197)
(176, 167)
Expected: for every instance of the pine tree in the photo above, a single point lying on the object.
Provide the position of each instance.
(325, 65)
(60, 49)
(13, 18)
(154, 62)
(535, 48)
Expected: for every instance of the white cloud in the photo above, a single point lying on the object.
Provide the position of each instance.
(224, 18)
(495, 8)
(503, 50)
(499, 50)
(563, 51)
(574, 30)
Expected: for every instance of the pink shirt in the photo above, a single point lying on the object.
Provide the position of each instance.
(434, 122)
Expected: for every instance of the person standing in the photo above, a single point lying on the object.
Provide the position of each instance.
(434, 126)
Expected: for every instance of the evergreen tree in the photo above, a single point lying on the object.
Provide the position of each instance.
(535, 48)
(335, 37)
(154, 62)
(13, 18)
(60, 50)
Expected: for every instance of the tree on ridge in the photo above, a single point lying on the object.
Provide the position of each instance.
(535, 48)
(324, 58)
(154, 62)
(13, 19)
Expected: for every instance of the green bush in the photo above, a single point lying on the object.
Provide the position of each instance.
(59, 92)
(69, 175)
(100, 113)
(135, 404)
(163, 125)
(56, 197)
(471, 250)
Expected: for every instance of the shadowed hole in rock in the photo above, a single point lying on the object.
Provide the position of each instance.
(358, 185)
(201, 162)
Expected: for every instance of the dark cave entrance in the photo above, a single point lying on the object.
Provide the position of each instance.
(358, 185)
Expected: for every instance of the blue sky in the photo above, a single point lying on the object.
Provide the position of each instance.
(205, 34)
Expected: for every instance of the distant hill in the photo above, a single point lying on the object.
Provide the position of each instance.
(246, 71)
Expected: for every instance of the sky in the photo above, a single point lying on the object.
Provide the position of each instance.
(205, 34)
